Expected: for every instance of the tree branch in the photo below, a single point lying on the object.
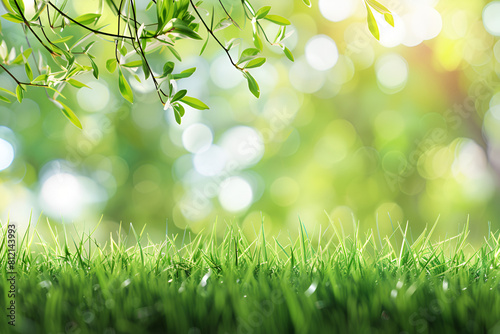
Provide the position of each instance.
(213, 35)
(88, 28)
(20, 82)
(144, 55)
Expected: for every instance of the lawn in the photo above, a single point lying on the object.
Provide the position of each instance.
(327, 283)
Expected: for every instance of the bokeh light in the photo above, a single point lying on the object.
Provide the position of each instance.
(337, 10)
(66, 196)
(491, 13)
(6, 154)
(392, 73)
(243, 145)
(95, 98)
(197, 138)
(236, 194)
(210, 162)
(321, 53)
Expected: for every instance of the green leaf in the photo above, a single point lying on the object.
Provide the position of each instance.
(372, 23)
(70, 114)
(135, 63)
(175, 53)
(38, 12)
(257, 62)
(252, 84)
(181, 28)
(248, 54)
(223, 24)
(56, 14)
(288, 53)
(261, 13)
(145, 68)
(194, 103)
(184, 74)
(307, 3)
(179, 108)
(76, 83)
(13, 18)
(56, 92)
(20, 57)
(177, 116)
(249, 6)
(125, 89)
(389, 18)
(204, 46)
(94, 68)
(7, 91)
(7, 6)
(257, 41)
(41, 78)
(16, 5)
(123, 50)
(4, 99)
(20, 93)
(232, 43)
(278, 20)
(88, 46)
(28, 70)
(89, 18)
(69, 57)
(62, 40)
(111, 65)
(168, 68)
(378, 7)
(179, 95)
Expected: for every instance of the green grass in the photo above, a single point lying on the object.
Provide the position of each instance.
(322, 283)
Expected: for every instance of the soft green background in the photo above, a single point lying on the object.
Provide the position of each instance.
(334, 142)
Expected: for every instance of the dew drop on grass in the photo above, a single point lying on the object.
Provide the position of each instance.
(445, 285)
(126, 283)
(394, 293)
(399, 285)
(45, 284)
(320, 304)
(205, 278)
(311, 289)
(88, 317)
(110, 303)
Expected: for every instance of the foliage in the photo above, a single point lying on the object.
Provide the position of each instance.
(197, 283)
(69, 54)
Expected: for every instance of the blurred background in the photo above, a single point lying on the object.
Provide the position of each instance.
(405, 129)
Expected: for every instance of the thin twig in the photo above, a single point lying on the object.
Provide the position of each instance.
(88, 28)
(213, 35)
(143, 54)
(20, 82)
(225, 11)
(32, 31)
